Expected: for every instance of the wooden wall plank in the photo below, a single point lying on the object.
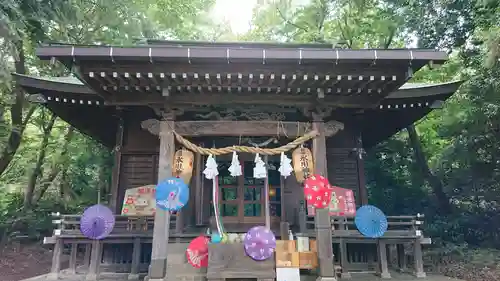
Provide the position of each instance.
(135, 170)
(343, 167)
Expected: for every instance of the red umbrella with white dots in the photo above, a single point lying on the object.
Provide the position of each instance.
(317, 191)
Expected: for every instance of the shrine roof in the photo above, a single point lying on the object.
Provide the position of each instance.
(204, 72)
(205, 52)
(82, 107)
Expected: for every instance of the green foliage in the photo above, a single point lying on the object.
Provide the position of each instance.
(460, 140)
(73, 168)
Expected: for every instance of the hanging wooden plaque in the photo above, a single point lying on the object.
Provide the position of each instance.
(139, 201)
(303, 164)
(342, 204)
(183, 165)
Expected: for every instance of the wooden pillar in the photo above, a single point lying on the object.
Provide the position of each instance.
(95, 261)
(86, 256)
(198, 190)
(115, 180)
(284, 224)
(322, 221)
(72, 258)
(56, 260)
(158, 267)
(302, 218)
(266, 195)
(360, 164)
(418, 259)
(344, 262)
(382, 268)
(180, 221)
(136, 259)
(400, 248)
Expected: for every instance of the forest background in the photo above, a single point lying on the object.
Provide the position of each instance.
(446, 166)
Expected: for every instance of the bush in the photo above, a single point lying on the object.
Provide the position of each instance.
(35, 223)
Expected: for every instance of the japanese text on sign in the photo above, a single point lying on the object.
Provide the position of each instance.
(179, 164)
(304, 161)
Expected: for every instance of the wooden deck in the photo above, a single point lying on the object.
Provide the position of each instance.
(355, 277)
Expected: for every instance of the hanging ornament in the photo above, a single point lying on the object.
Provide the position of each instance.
(215, 238)
(259, 171)
(302, 163)
(210, 171)
(183, 165)
(285, 168)
(235, 168)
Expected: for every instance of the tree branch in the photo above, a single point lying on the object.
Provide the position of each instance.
(57, 166)
(16, 111)
(289, 22)
(435, 183)
(37, 170)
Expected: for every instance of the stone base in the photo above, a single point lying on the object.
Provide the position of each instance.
(345, 275)
(52, 276)
(322, 278)
(420, 274)
(133, 277)
(385, 275)
(91, 277)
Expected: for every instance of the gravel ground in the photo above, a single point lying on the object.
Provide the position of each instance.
(25, 262)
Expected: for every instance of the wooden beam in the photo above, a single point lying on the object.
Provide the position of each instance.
(242, 128)
(359, 100)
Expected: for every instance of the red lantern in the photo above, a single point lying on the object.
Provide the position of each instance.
(317, 191)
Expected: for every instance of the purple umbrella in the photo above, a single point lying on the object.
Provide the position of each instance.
(97, 222)
(259, 243)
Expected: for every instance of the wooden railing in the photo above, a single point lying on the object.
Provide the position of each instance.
(355, 252)
(126, 250)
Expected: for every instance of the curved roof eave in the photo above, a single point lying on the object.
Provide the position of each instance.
(70, 84)
(415, 90)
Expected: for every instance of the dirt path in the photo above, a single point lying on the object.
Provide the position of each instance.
(26, 262)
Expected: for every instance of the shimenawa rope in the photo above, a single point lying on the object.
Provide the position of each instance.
(246, 149)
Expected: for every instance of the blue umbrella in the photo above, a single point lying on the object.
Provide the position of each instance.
(371, 221)
(172, 194)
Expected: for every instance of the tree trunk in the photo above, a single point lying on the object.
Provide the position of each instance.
(103, 184)
(435, 183)
(58, 166)
(64, 188)
(37, 171)
(16, 112)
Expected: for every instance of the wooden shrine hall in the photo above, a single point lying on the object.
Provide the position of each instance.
(148, 101)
